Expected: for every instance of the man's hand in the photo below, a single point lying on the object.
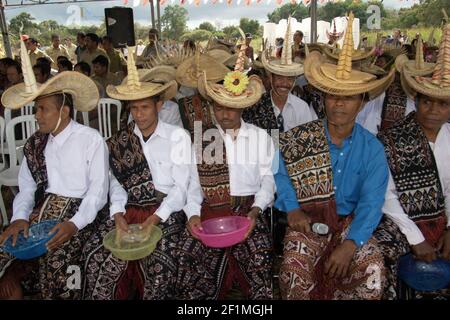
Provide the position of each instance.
(14, 230)
(121, 223)
(299, 221)
(444, 245)
(338, 263)
(424, 251)
(252, 215)
(194, 223)
(64, 232)
(152, 220)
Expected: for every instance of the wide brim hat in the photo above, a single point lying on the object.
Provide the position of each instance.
(237, 91)
(133, 88)
(437, 83)
(341, 78)
(188, 71)
(218, 93)
(417, 66)
(163, 73)
(283, 66)
(83, 90)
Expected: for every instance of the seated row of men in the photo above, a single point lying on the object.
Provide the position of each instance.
(379, 198)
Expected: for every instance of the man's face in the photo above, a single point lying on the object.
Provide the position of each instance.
(39, 76)
(145, 112)
(298, 38)
(55, 42)
(228, 118)
(247, 41)
(78, 69)
(396, 33)
(282, 85)
(100, 70)
(342, 110)
(13, 76)
(106, 45)
(81, 41)
(151, 37)
(47, 113)
(433, 113)
(91, 45)
(68, 42)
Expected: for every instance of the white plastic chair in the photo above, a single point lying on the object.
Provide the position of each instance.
(85, 117)
(105, 115)
(9, 177)
(24, 111)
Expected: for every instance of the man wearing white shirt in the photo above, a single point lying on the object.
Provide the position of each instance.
(149, 162)
(64, 177)
(417, 205)
(279, 108)
(239, 182)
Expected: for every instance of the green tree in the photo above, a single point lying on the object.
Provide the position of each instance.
(297, 11)
(248, 25)
(231, 31)
(173, 21)
(207, 26)
(196, 35)
(22, 23)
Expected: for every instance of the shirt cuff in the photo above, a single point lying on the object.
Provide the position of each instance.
(260, 202)
(192, 210)
(79, 221)
(20, 216)
(357, 239)
(414, 237)
(164, 211)
(116, 208)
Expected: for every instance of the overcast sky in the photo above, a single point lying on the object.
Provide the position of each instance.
(220, 13)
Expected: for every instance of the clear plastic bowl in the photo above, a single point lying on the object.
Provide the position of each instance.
(35, 245)
(135, 245)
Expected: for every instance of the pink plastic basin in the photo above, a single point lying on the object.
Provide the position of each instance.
(223, 232)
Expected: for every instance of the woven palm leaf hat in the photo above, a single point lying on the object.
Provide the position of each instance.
(342, 79)
(437, 84)
(418, 66)
(283, 66)
(189, 70)
(238, 91)
(83, 89)
(134, 89)
(162, 73)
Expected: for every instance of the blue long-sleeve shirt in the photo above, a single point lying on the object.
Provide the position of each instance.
(360, 178)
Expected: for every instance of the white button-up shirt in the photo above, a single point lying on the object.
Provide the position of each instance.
(370, 115)
(168, 154)
(77, 167)
(249, 159)
(295, 112)
(392, 205)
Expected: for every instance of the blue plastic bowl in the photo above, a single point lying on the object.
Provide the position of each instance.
(424, 276)
(33, 246)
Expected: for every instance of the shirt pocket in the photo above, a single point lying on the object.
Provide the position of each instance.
(162, 173)
(250, 176)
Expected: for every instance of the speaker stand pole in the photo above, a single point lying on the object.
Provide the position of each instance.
(152, 9)
(4, 28)
(158, 14)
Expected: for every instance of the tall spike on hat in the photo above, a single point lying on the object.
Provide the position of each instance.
(420, 62)
(441, 73)
(27, 70)
(240, 62)
(286, 54)
(344, 66)
(133, 77)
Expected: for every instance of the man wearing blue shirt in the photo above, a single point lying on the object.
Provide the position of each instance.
(333, 172)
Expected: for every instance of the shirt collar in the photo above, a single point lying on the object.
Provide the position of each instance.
(349, 139)
(62, 137)
(161, 130)
(287, 104)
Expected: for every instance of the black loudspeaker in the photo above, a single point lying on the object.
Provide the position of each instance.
(120, 26)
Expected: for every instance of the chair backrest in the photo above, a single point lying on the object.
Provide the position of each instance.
(24, 111)
(2, 138)
(105, 114)
(85, 117)
(15, 147)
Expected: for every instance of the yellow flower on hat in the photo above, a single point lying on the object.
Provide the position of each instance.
(236, 82)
